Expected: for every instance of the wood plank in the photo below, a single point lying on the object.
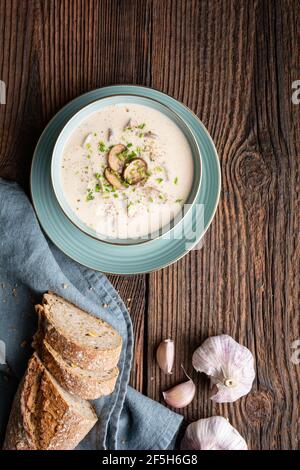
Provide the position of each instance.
(232, 62)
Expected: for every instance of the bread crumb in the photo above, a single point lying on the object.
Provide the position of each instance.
(65, 286)
(129, 300)
(14, 292)
(104, 305)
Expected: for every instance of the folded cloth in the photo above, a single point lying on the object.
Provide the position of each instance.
(30, 265)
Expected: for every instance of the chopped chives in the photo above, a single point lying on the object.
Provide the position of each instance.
(90, 195)
(101, 146)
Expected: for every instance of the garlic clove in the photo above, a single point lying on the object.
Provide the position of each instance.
(214, 433)
(165, 355)
(229, 365)
(182, 394)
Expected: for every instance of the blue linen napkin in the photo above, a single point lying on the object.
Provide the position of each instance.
(30, 265)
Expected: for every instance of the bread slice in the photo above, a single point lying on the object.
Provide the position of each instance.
(87, 384)
(79, 337)
(45, 416)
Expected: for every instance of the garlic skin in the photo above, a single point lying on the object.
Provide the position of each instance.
(214, 433)
(229, 365)
(165, 355)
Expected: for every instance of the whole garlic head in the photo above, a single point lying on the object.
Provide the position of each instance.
(229, 365)
(214, 433)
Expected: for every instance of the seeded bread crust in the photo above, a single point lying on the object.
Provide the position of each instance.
(72, 351)
(85, 384)
(42, 416)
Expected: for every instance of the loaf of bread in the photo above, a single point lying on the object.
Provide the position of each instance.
(79, 337)
(75, 360)
(44, 415)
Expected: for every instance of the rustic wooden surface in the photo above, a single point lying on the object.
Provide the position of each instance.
(233, 63)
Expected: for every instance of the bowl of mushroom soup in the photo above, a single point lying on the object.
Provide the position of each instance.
(126, 169)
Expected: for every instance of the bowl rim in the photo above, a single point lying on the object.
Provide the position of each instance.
(178, 219)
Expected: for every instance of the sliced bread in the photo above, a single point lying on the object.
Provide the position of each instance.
(45, 416)
(87, 384)
(79, 337)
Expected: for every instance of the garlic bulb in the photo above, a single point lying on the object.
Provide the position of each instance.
(165, 355)
(214, 433)
(229, 365)
(181, 395)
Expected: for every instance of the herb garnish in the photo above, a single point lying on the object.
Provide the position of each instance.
(131, 155)
(102, 146)
(90, 195)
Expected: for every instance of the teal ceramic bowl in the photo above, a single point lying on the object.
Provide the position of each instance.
(82, 115)
(107, 257)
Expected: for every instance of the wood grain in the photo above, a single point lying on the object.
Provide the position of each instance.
(233, 63)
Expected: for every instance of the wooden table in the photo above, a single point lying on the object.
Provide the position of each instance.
(233, 63)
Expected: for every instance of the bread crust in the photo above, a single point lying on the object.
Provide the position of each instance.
(16, 437)
(87, 387)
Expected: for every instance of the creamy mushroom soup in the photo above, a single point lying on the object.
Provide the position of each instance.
(127, 170)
